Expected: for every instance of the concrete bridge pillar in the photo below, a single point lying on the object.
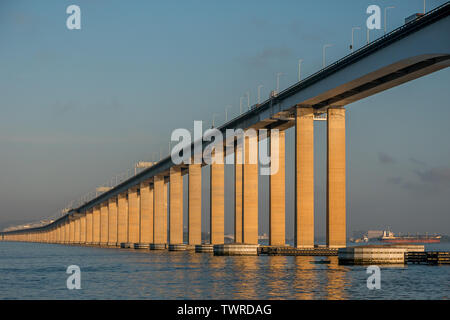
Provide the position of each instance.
(77, 231)
(146, 225)
(104, 224)
(304, 178)
(58, 234)
(89, 226)
(72, 231)
(217, 197)
(176, 206)
(66, 232)
(166, 206)
(336, 210)
(112, 221)
(96, 225)
(250, 191)
(277, 185)
(63, 233)
(195, 204)
(122, 218)
(160, 212)
(83, 229)
(133, 215)
(238, 171)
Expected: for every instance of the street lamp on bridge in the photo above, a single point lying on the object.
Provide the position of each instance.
(385, 17)
(214, 117)
(300, 69)
(248, 100)
(353, 31)
(259, 93)
(279, 74)
(226, 112)
(324, 51)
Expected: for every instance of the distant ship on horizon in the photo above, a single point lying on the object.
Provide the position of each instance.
(390, 237)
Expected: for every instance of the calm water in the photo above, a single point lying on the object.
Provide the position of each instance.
(38, 271)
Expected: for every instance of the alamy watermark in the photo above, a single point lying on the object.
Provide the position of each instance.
(374, 280)
(74, 20)
(74, 280)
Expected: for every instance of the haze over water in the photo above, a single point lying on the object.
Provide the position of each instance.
(38, 271)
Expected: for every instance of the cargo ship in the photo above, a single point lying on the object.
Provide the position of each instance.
(389, 237)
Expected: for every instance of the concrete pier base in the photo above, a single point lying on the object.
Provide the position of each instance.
(158, 246)
(127, 245)
(177, 247)
(236, 249)
(113, 244)
(409, 247)
(142, 246)
(375, 254)
(204, 248)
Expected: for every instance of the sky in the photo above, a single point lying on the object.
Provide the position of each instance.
(79, 107)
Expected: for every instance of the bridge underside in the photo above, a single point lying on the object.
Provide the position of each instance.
(373, 83)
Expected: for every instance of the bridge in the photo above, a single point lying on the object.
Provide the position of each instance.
(135, 212)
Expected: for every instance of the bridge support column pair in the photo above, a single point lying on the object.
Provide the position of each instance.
(146, 213)
(304, 178)
(217, 204)
(246, 190)
(175, 207)
(160, 211)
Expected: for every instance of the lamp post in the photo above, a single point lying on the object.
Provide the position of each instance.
(226, 112)
(259, 93)
(279, 74)
(300, 69)
(385, 17)
(324, 51)
(353, 31)
(240, 103)
(248, 100)
(424, 6)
